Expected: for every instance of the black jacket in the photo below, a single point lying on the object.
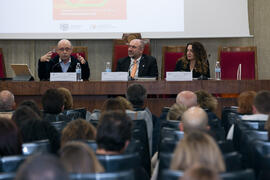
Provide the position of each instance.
(45, 68)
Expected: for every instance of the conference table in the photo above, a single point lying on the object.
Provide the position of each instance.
(161, 93)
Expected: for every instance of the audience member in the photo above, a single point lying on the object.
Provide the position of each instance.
(68, 99)
(267, 127)
(176, 112)
(63, 62)
(42, 167)
(7, 103)
(137, 63)
(10, 138)
(187, 98)
(127, 105)
(78, 157)
(194, 60)
(112, 104)
(78, 129)
(199, 172)
(245, 101)
(197, 148)
(33, 105)
(35, 130)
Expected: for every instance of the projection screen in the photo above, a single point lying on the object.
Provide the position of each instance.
(108, 19)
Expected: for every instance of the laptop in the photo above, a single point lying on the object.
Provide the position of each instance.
(22, 72)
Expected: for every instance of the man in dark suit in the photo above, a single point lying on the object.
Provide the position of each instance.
(63, 62)
(137, 63)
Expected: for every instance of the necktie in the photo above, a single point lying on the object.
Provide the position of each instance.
(134, 69)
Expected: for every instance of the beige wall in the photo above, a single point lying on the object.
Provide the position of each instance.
(100, 51)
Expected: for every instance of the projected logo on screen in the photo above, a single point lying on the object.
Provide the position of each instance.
(89, 9)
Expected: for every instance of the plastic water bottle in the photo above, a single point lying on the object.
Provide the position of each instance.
(108, 67)
(217, 71)
(78, 72)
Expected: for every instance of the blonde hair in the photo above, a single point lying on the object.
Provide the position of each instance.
(176, 111)
(197, 148)
(125, 103)
(68, 99)
(78, 157)
(206, 100)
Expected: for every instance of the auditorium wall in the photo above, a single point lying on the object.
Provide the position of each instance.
(100, 51)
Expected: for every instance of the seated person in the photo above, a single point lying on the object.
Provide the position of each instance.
(137, 63)
(198, 172)
(187, 98)
(7, 104)
(68, 99)
(176, 112)
(194, 60)
(63, 62)
(245, 101)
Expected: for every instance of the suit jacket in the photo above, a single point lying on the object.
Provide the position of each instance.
(148, 66)
(45, 68)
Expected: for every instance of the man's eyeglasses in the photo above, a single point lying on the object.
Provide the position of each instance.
(64, 49)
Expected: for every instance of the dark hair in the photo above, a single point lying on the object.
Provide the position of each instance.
(201, 63)
(136, 94)
(113, 131)
(206, 100)
(113, 104)
(262, 102)
(42, 167)
(10, 138)
(33, 105)
(52, 101)
(23, 114)
(78, 129)
(34, 130)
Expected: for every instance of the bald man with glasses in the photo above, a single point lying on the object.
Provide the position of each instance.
(63, 62)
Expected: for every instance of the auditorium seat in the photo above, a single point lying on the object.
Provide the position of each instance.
(82, 50)
(11, 163)
(123, 175)
(231, 57)
(233, 161)
(2, 65)
(36, 147)
(92, 144)
(7, 176)
(59, 125)
(170, 55)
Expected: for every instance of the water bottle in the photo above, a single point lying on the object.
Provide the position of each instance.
(108, 67)
(78, 72)
(217, 71)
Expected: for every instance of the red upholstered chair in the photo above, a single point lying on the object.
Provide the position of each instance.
(82, 50)
(120, 50)
(2, 65)
(231, 57)
(170, 55)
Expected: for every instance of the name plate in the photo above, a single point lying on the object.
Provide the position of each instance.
(114, 76)
(62, 76)
(178, 76)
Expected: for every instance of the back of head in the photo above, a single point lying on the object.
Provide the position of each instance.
(127, 105)
(194, 119)
(245, 102)
(114, 131)
(176, 111)
(52, 101)
(261, 102)
(112, 104)
(10, 138)
(42, 167)
(7, 101)
(78, 157)
(78, 129)
(68, 99)
(188, 98)
(23, 114)
(33, 105)
(197, 148)
(199, 172)
(136, 94)
(206, 100)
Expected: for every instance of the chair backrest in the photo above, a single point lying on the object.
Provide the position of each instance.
(2, 65)
(7, 176)
(233, 161)
(72, 114)
(164, 163)
(170, 55)
(120, 50)
(11, 163)
(114, 163)
(82, 50)
(123, 175)
(231, 57)
(59, 125)
(226, 146)
(36, 147)
(92, 144)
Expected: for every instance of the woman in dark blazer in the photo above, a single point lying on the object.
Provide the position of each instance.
(195, 60)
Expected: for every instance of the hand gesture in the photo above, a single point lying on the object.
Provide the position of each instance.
(46, 57)
(80, 58)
